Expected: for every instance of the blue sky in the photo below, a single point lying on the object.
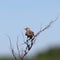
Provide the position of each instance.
(15, 15)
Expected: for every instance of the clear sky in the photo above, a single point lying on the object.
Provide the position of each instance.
(15, 15)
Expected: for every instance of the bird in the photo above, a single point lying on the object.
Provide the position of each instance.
(29, 33)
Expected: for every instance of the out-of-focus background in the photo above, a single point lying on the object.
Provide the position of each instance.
(15, 15)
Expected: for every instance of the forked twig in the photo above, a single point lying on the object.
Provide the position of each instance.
(50, 23)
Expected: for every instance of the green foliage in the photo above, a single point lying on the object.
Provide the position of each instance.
(5, 58)
(52, 54)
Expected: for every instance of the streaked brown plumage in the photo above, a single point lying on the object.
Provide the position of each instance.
(29, 33)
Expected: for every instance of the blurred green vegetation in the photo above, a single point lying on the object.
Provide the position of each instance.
(52, 54)
(5, 58)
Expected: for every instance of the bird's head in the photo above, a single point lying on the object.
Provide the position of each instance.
(27, 28)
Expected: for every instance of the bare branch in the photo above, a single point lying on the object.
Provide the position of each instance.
(46, 27)
(13, 53)
(18, 48)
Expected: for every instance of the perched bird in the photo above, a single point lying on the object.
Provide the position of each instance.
(29, 33)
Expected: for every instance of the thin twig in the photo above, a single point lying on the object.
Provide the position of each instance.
(18, 48)
(46, 27)
(13, 53)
